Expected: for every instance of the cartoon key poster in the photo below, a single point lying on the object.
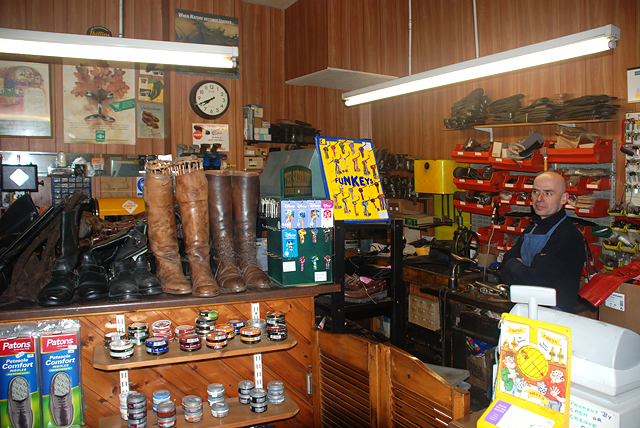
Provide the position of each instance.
(352, 179)
(533, 379)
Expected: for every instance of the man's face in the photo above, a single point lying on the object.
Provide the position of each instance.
(548, 195)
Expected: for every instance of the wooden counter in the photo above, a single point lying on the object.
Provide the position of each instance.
(291, 365)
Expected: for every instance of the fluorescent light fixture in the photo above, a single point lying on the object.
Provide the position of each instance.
(573, 46)
(65, 45)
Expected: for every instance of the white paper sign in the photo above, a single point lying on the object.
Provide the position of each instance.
(633, 85)
(211, 133)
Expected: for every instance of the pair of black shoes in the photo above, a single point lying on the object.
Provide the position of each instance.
(128, 279)
(60, 401)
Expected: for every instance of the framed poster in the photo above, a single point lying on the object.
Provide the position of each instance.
(352, 179)
(25, 101)
(99, 103)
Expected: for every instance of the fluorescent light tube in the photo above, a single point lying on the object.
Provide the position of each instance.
(116, 49)
(573, 46)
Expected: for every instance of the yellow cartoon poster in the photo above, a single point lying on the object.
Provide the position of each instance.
(352, 179)
(533, 379)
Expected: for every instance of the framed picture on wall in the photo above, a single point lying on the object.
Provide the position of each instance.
(25, 99)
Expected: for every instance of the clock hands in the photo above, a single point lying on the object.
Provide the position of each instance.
(207, 101)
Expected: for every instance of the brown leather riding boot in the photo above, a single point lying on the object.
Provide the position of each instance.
(192, 196)
(246, 195)
(161, 218)
(221, 223)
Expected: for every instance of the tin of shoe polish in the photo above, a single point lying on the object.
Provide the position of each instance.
(245, 387)
(237, 324)
(220, 410)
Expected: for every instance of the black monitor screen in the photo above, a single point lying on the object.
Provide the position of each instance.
(19, 178)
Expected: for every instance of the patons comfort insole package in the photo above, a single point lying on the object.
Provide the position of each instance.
(19, 392)
(60, 374)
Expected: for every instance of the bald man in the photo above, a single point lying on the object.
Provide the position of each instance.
(550, 252)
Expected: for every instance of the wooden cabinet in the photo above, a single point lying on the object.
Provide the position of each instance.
(192, 374)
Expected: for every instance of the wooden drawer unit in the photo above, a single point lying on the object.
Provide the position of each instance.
(424, 309)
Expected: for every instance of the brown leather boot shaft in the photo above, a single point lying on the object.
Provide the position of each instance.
(246, 194)
(158, 199)
(192, 195)
(221, 222)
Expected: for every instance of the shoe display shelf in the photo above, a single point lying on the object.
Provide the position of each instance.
(240, 415)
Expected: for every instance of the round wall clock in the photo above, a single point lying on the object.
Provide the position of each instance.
(209, 99)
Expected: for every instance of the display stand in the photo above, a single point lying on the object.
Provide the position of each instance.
(393, 305)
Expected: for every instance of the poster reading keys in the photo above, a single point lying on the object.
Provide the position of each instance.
(352, 180)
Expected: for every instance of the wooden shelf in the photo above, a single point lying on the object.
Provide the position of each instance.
(140, 358)
(240, 415)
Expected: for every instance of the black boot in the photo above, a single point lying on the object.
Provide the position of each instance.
(148, 284)
(93, 282)
(123, 286)
(59, 290)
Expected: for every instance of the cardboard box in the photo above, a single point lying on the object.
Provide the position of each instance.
(257, 109)
(621, 307)
(480, 368)
(253, 163)
(250, 150)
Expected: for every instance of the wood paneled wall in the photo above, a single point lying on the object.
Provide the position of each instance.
(443, 35)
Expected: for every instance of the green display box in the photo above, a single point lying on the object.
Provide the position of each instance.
(299, 269)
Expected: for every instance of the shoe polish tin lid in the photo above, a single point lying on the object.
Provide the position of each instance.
(258, 395)
(166, 409)
(113, 335)
(245, 387)
(275, 385)
(138, 326)
(136, 400)
(208, 314)
(228, 329)
(215, 390)
(237, 324)
(191, 403)
(275, 317)
(260, 323)
(219, 410)
(181, 330)
(161, 395)
(120, 348)
(161, 326)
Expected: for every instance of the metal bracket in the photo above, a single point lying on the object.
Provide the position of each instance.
(257, 358)
(124, 374)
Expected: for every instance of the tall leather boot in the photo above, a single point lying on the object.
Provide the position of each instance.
(161, 218)
(221, 223)
(59, 290)
(192, 196)
(246, 195)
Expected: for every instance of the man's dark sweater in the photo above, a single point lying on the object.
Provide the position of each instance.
(558, 265)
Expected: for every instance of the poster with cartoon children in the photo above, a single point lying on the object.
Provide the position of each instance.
(534, 364)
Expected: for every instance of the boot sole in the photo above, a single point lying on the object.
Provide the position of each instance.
(129, 298)
(206, 295)
(176, 291)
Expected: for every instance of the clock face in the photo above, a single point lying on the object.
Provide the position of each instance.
(209, 99)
